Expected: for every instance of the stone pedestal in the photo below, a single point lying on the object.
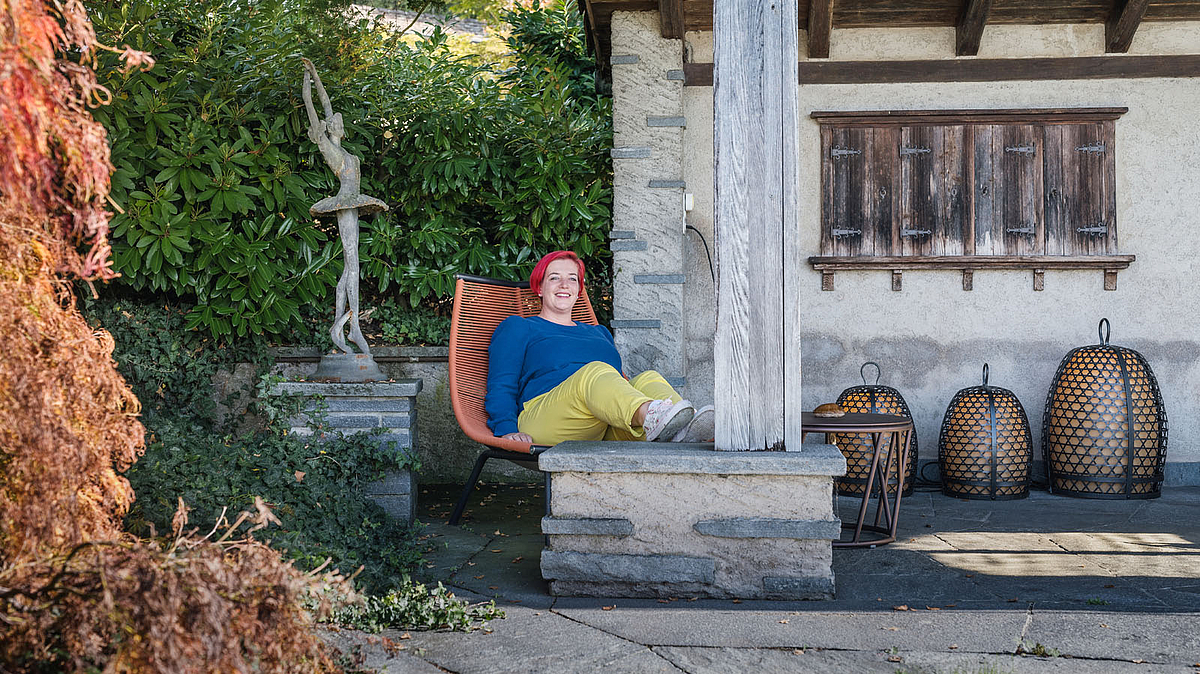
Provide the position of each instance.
(364, 407)
(643, 519)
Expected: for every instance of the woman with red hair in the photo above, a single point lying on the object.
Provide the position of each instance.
(552, 379)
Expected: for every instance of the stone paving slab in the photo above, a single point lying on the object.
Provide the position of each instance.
(500, 570)
(705, 625)
(527, 640)
(812, 661)
(1170, 638)
(365, 651)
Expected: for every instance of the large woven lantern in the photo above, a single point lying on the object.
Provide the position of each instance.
(1104, 434)
(858, 448)
(985, 449)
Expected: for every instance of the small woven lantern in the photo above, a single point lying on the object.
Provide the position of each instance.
(1104, 434)
(858, 448)
(985, 450)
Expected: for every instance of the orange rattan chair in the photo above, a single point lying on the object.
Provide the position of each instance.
(480, 304)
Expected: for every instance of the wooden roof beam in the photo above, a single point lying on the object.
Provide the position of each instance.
(969, 29)
(670, 19)
(820, 28)
(1122, 24)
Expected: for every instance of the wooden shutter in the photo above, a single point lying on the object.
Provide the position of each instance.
(1008, 189)
(932, 190)
(1080, 194)
(858, 202)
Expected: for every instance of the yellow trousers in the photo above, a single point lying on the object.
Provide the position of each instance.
(595, 403)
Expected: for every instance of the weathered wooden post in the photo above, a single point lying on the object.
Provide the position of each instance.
(757, 352)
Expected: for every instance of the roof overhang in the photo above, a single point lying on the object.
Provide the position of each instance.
(969, 17)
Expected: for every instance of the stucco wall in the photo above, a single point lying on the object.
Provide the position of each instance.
(933, 338)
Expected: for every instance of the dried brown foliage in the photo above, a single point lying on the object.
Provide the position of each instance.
(195, 606)
(67, 419)
(73, 589)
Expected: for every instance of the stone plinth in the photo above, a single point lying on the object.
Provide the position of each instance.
(362, 408)
(636, 519)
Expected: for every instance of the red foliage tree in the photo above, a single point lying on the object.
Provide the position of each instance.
(73, 587)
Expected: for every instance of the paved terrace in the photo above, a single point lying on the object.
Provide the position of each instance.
(970, 587)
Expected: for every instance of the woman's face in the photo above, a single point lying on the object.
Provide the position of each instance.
(560, 285)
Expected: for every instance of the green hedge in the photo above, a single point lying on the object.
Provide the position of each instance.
(318, 491)
(485, 168)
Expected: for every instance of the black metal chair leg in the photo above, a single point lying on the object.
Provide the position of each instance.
(470, 487)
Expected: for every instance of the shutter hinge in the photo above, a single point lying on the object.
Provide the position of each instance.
(839, 233)
(1099, 230)
(1023, 149)
(842, 151)
(915, 232)
(905, 151)
(1096, 148)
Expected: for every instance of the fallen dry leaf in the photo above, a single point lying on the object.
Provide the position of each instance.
(1012, 600)
(608, 608)
(953, 646)
(902, 607)
(951, 605)
(895, 658)
(798, 651)
(1138, 662)
(783, 622)
(663, 601)
(1103, 625)
(517, 559)
(493, 587)
(737, 601)
(406, 635)
(479, 576)
(693, 598)
(933, 608)
(970, 575)
(495, 551)
(300, 475)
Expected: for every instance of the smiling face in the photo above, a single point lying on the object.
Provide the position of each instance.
(560, 287)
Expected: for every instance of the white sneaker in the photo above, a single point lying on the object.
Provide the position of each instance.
(703, 427)
(664, 419)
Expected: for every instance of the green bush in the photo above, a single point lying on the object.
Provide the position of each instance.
(414, 606)
(318, 491)
(484, 170)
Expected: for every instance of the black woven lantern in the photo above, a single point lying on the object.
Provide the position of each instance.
(985, 450)
(1104, 434)
(858, 448)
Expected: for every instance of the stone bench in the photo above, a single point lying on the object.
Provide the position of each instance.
(637, 519)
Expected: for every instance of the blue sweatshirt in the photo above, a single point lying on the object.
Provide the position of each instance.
(530, 356)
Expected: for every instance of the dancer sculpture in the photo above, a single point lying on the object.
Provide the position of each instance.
(347, 204)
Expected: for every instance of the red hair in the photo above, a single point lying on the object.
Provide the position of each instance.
(539, 271)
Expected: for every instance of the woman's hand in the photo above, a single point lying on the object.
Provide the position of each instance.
(519, 437)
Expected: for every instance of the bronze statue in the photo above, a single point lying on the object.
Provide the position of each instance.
(347, 204)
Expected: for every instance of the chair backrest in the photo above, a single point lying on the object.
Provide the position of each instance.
(479, 305)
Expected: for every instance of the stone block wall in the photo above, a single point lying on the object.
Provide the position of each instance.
(648, 196)
(648, 520)
(447, 454)
(362, 408)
